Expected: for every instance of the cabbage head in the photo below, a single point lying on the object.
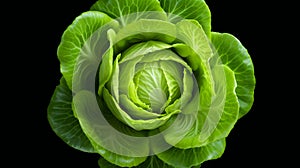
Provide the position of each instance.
(146, 83)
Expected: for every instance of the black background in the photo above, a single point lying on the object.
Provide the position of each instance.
(255, 140)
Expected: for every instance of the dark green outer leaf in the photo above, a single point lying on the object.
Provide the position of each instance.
(123, 161)
(127, 11)
(188, 9)
(105, 136)
(76, 36)
(236, 57)
(229, 116)
(105, 164)
(151, 162)
(187, 158)
(63, 121)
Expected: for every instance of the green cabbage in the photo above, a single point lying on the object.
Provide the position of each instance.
(146, 83)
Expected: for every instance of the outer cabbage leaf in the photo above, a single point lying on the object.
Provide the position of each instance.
(151, 162)
(120, 160)
(188, 9)
(75, 37)
(62, 119)
(136, 9)
(191, 33)
(233, 54)
(187, 158)
(106, 133)
(144, 30)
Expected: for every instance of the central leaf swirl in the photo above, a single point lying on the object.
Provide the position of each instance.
(148, 85)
